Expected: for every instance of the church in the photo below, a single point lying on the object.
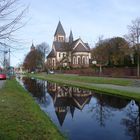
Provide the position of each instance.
(68, 53)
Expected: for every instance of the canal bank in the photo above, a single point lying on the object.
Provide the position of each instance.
(71, 108)
(111, 86)
(21, 117)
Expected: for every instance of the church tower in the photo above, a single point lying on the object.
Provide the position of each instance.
(32, 48)
(70, 37)
(59, 35)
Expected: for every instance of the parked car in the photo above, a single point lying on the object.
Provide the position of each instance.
(2, 76)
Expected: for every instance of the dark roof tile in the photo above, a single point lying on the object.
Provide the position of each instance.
(59, 30)
(51, 54)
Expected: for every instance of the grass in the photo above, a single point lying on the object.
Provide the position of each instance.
(86, 82)
(21, 118)
(87, 79)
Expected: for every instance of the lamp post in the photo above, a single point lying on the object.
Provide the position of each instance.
(138, 53)
(138, 61)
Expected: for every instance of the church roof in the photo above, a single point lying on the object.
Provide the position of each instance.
(51, 54)
(71, 37)
(59, 30)
(66, 46)
(61, 46)
(32, 46)
(61, 116)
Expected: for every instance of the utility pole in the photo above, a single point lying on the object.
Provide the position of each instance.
(9, 56)
(5, 60)
(4, 64)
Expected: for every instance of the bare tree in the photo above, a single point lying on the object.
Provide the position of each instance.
(44, 49)
(11, 15)
(134, 39)
(33, 61)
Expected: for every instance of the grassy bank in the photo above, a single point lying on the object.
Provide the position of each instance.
(90, 83)
(21, 118)
(87, 79)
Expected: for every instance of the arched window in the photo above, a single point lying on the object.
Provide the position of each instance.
(87, 60)
(79, 60)
(74, 60)
(84, 60)
(63, 54)
(53, 63)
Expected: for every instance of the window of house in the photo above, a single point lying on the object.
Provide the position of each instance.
(59, 54)
(53, 62)
(60, 38)
(84, 60)
(63, 54)
(79, 60)
(74, 60)
(87, 60)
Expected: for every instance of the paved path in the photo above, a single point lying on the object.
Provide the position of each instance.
(135, 89)
(2, 83)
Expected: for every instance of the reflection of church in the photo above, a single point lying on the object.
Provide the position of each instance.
(67, 99)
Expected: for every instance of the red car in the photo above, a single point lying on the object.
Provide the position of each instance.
(2, 76)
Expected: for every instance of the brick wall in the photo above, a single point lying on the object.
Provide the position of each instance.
(111, 72)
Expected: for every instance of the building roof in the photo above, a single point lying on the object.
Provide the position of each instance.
(59, 30)
(51, 54)
(61, 46)
(81, 48)
(71, 37)
(32, 47)
(66, 46)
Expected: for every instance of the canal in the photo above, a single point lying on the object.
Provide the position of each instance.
(86, 115)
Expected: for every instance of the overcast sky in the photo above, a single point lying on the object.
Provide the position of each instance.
(88, 19)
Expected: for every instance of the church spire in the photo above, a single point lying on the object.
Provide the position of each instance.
(32, 47)
(70, 37)
(59, 33)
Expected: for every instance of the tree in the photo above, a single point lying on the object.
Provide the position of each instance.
(134, 38)
(100, 53)
(33, 60)
(119, 52)
(10, 19)
(44, 49)
(112, 52)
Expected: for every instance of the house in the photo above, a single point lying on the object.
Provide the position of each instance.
(71, 53)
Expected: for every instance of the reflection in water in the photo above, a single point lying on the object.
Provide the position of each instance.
(132, 120)
(36, 88)
(105, 106)
(67, 98)
(100, 114)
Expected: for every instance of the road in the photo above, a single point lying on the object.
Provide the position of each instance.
(2, 83)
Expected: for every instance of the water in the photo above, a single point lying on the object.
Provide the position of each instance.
(85, 115)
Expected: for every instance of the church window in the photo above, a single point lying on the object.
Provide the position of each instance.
(53, 62)
(87, 61)
(79, 60)
(60, 38)
(84, 60)
(63, 54)
(74, 60)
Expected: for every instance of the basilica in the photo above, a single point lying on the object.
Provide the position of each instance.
(68, 53)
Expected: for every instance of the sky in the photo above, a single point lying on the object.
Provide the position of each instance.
(88, 19)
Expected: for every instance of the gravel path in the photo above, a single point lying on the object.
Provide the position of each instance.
(2, 83)
(135, 89)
